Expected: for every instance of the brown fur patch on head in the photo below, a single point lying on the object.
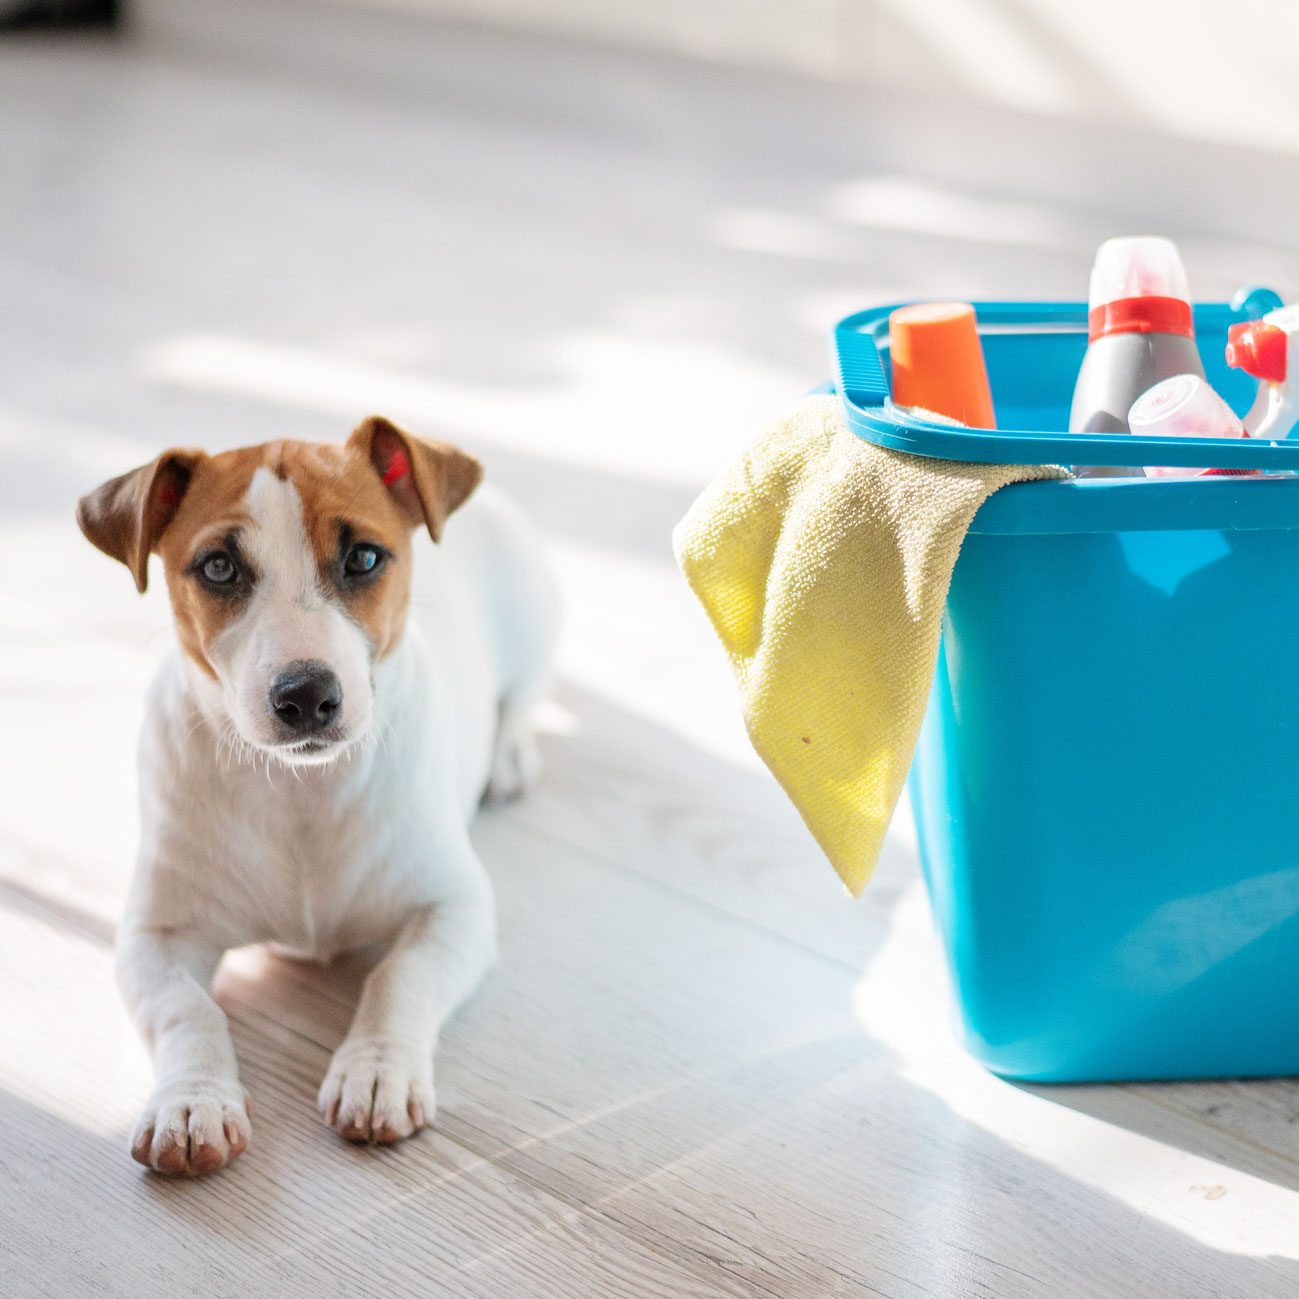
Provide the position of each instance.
(211, 512)
(341, 496)
(371, 490)
(345, 501)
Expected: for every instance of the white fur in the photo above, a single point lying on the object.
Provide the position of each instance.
(371, 845)
(289, 617)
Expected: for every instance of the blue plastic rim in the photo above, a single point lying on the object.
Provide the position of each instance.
(1107, 778)
(1033, 351)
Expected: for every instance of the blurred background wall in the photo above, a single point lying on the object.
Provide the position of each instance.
(1199, 68)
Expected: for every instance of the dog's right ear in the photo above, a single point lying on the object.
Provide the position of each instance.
(427, 479)
(126, 516)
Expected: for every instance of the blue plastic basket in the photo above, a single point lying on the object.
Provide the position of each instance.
(1106, 783)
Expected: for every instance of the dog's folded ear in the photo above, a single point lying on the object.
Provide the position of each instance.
(427, 479)
(126, 516)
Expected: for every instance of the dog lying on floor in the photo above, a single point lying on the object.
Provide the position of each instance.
(311, 757)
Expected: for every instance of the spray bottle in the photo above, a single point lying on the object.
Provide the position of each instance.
(1139, 330)
(1268, 349)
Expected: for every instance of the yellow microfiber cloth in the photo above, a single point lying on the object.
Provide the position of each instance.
(824, 562)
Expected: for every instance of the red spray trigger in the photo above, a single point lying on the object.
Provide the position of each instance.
(398, 468)
(1259, 349)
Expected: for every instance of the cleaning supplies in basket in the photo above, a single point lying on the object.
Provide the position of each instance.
(823, 562)
(938, 364)
(1185, 406)
(1139, 331)
(1268, 349)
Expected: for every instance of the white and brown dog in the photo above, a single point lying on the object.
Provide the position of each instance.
(289, 567)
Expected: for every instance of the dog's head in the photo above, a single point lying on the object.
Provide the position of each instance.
(288, 567)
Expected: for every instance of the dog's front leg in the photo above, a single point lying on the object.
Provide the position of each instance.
(380, 1082)
(196, 1121)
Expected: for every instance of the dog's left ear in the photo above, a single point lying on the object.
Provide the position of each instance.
(125, 516)
(427, 479)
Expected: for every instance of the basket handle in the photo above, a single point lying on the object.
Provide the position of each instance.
(861, 374)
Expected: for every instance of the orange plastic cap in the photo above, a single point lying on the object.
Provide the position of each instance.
(938, 362)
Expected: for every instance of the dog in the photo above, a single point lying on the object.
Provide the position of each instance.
(313, 752)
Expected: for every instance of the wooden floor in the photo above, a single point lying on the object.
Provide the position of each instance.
(699, 1070)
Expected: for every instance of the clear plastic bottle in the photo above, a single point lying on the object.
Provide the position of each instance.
(1140, 331)
(1184, 407)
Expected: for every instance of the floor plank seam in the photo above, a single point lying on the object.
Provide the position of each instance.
(247, 1013)
(57, 914)
(1205, 1121)
(682, 895)
(597, 1215)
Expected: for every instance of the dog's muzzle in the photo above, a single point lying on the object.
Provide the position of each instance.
(306, 697)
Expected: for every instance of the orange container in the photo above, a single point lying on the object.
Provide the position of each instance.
(938, 362)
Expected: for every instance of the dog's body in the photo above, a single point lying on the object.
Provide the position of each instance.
(313, 755)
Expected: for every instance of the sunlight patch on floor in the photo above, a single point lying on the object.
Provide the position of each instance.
(1213, 1203)
(633, 406)
(84, 1066)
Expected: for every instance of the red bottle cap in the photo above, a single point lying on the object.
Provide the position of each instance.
(1258, 349)
(1138, 286)
(1153, 315)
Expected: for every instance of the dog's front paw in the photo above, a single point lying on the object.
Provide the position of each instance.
(192, 1127)
(377, 1091)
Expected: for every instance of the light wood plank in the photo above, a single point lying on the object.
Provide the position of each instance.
(302, 1213)
(707, 1096)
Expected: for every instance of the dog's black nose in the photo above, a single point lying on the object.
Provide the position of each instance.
(306, 696)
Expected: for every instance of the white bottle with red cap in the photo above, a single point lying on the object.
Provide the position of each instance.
(1140, 331)
(1269, 350)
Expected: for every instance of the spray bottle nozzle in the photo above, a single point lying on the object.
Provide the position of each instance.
(1259, 349)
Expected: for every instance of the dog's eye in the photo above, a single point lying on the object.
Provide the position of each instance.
(219, 568)
(362, 560)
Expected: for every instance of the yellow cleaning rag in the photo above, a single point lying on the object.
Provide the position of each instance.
(824, 562)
